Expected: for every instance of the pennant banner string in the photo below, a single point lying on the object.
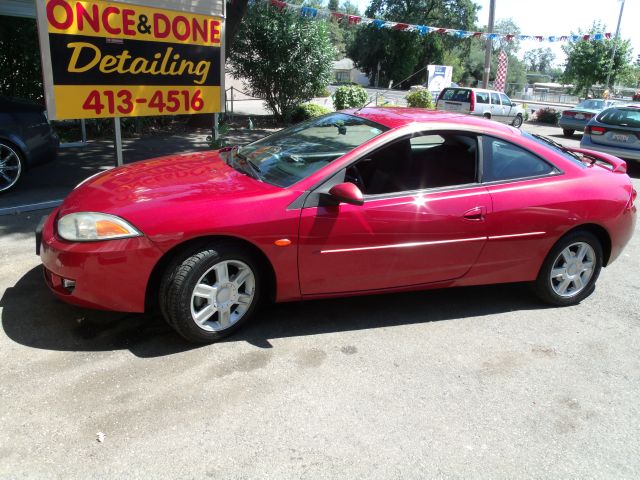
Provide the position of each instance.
(318, 13)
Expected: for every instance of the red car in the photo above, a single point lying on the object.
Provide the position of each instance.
(356, 202)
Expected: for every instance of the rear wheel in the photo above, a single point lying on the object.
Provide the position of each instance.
(569, 273)
(211, 293)
(487, 116)
(517, 121)
(567, 132)
(11, 166)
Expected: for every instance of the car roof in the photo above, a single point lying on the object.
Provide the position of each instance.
(397, 117)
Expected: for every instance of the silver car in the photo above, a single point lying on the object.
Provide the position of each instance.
(485, 103)
(615, 131)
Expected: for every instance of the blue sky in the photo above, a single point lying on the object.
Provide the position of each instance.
(560, 17)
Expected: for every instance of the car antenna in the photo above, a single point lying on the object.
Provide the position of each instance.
(365, 105)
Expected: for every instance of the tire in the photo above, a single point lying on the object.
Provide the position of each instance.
(567, 132)
(563, 270)
(222, 301)
(487, 116)
(11, 166)
(517, 121)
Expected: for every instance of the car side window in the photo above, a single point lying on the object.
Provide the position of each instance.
(428, 160)
(505, 161)
(482, 97)
(495, 99)
(505, 100)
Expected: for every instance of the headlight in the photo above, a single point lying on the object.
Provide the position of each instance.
(91, 226)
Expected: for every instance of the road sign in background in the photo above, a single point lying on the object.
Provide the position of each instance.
(111, 59)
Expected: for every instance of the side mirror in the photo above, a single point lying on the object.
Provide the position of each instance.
(348, 193)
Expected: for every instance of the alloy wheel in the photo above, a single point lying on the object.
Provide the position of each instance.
(10, 167)
(572, 269)
(222, 295)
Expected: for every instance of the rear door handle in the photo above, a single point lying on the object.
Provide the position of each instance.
(475, 214)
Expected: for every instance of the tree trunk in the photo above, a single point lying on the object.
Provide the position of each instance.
(236, 10)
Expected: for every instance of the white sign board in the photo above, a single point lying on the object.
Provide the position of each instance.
(439, 78)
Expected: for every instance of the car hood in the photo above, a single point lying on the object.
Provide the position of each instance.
(168, 184)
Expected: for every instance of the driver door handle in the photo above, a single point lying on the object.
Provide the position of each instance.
(475, 214)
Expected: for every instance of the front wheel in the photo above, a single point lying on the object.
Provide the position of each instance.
(569, 273)
(517, 122)
(11, 166)
(210, 294)
(568, 132)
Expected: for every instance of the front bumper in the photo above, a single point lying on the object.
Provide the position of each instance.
(624, 153)
(108, 275)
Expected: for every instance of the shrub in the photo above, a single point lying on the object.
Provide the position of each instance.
(352, 96)
(420, 99)
(323, 92)
(548, 115)
(307, 111)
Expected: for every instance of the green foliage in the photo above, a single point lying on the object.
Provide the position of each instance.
(548, 115)
(323, 92)
(307, 111)
(420, 99)
(400, 54)
(20, 71)
(285, 58)
(589, 63)
(350, 96)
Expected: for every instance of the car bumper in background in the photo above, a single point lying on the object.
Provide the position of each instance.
(107, 275)
(624, 153)
(572, 124)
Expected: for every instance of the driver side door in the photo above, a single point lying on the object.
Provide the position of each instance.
(409, 231)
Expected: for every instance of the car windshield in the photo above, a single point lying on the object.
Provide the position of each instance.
(294, 153)
(591, 104)
(623, 117)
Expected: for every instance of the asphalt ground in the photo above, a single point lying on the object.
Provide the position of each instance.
(481, 382)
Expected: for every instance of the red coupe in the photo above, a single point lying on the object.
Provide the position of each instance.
(356, 202)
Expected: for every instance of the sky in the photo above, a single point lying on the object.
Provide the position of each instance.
(560, 17)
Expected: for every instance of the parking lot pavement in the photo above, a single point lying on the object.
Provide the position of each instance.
(461, 383)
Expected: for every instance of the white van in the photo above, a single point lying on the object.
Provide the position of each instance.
(486, 103)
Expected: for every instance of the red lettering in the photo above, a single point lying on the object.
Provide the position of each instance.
(128, 22)
(215, 31)
(200, 29)
(93, 18)
(105, 20)
(176, 28)
(161, 25)
(68, 20)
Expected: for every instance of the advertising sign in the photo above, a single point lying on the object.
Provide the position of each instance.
(439, 78)
(109, 59)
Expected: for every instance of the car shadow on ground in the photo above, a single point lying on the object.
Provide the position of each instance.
(31, 316)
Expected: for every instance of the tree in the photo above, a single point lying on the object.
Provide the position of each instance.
(341, 33)
(539, 60)
(399, 54)
(589, 62)
(20, 70)
(284, 58)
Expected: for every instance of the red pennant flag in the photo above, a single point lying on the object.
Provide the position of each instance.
(539, 38)
(477, 34)
(607, 36)
(509, 37)
(441, 31)
(338, 16)
(401, 26)
(278, 4)
(354, 19)
(586, 37)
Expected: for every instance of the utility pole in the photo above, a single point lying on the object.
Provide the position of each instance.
(615, 45)
(488, 46)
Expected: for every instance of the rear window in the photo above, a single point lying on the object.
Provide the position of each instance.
(457, 94)
(592, 104)
(623, 117)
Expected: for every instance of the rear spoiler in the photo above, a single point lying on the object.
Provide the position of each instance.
(617, 164)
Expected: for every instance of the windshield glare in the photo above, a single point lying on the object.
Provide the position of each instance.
(592, 104)
(294, 153)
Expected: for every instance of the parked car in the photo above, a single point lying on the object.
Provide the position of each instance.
(26, 140)
(484, 103)
(576, 118)
(615, 131)
(351, 203)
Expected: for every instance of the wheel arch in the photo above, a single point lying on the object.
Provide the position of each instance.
(601, 234)
(192, 245)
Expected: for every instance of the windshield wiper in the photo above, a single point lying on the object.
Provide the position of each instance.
(254, 172)
(559, 146)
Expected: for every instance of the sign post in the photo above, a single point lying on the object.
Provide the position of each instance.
(106, 59)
